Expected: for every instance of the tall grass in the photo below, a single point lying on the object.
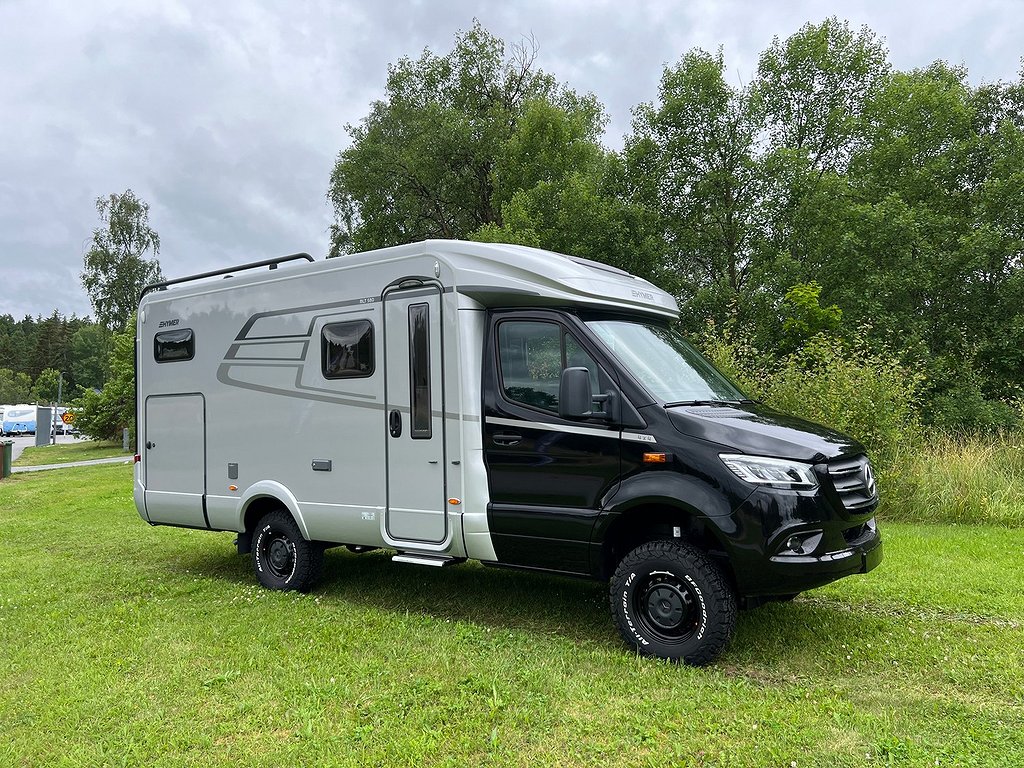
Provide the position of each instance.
(963, 479)
(925, 474)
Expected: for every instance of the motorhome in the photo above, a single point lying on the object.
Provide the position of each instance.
(448, 400)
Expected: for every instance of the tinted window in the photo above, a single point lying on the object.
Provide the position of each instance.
(172, 346)
(347, 350)
(532, 355)
(419, 369)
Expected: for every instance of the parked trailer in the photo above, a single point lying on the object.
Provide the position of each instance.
(450, 401)
(19, 420)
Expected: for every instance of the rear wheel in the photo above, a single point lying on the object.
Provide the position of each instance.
(670, 601)
(282, 557)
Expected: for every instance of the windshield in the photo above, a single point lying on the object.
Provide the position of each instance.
(665, 363)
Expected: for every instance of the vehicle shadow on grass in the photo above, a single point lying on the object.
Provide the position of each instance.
(575, 609)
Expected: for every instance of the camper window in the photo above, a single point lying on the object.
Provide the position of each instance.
(174, 346)
(347, 350)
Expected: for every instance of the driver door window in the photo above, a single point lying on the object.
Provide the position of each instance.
(532, 355)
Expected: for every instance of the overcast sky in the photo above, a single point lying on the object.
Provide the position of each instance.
(227, 115)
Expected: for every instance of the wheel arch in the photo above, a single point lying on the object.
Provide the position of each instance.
(620, 531)
(257, 501)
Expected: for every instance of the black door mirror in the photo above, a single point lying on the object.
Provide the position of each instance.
(575, 397)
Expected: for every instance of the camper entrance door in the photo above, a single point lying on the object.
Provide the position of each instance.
(416, 465)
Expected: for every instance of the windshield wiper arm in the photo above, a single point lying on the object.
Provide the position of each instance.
(702, 402)
(742, 401)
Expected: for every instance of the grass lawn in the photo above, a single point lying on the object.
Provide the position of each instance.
(36, 456)
(123, 644)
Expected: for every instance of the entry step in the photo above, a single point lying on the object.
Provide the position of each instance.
(416, 558)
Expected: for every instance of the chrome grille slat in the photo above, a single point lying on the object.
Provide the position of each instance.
(849, 480)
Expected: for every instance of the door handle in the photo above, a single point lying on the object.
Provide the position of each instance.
(395, 423)
(150, 444)
(506, 438)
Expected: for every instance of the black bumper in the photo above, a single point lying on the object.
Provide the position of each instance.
(758, 533)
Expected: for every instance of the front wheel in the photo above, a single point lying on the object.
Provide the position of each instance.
(282, 557)
(670, 601)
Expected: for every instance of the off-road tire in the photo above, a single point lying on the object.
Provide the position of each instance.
(669, 600)
(281, 557)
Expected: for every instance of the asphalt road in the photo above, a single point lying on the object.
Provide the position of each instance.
(21, 443)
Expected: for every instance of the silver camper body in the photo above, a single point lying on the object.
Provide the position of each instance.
(346, 391)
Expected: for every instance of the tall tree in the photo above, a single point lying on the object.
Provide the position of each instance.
(692, 159)
(116, 264)
(436, 156)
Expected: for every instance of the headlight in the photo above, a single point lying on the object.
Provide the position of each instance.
(778, 473)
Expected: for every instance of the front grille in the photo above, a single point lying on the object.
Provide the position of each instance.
(854, 482)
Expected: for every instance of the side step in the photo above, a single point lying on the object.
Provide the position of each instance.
(438, 561)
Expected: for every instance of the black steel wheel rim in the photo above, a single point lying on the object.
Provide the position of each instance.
(668, 608)
(279, 555)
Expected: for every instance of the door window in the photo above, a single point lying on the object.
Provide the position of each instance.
(532, 355)
(419, 370)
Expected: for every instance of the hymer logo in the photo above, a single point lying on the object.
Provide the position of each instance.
(168, 323)
(646, 296)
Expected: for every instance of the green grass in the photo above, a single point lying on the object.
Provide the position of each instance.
(960, 479)
(36, 456)
(124, 644)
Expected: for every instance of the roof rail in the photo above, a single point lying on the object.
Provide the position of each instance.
(272, 263)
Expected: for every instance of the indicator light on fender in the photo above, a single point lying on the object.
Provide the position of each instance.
(454, 502)
(232, 487)
(656, 458)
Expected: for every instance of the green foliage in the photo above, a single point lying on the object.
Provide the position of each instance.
(963, 479)
(803, 317)
(90, 356)
(102, 415)
(690, 158)
(47, 387)
(116, 269)
(15, 387)
(431, 158)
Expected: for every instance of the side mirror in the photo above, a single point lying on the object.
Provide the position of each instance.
(575, 397)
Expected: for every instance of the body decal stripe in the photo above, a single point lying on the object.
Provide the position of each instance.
(574, 430)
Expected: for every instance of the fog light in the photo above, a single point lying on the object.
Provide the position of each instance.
(795, 544)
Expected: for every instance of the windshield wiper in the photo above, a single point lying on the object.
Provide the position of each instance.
(744, 401)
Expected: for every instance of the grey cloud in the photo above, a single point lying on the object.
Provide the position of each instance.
(226, 117)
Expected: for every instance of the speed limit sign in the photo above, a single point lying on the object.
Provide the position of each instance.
(67, 417)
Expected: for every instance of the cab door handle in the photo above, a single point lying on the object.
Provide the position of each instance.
(506, 438)
(395, 423)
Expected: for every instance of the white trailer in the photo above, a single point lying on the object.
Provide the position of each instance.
(452, 400)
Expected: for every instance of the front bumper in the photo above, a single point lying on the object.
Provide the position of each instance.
(839, 544)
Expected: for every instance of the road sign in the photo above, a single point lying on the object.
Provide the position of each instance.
(67, 417)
